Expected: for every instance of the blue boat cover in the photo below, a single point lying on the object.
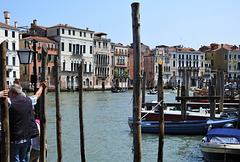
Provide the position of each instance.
(223, 132)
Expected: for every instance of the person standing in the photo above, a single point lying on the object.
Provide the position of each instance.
(22, 122)
(35, 151)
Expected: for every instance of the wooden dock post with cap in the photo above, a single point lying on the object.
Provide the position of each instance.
(58, 108)
(161, 111)
(5, 147)
(137, 145)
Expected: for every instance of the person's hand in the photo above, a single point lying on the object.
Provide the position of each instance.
(44, 84)
(4, 93)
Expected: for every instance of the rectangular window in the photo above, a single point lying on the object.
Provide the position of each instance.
(13, 61)
(77, 48)
(6, 60)
(90, 49)
(14, 74)
(80, 49)
(91, 35)
(6, 33)
(62, 31)
(69, 32)
(39, 57)
(49, 70)
(7, 73)
(57, 31)
(49, 57)
(84, 48)
(73, 32)
(74, 49)
(7, 45)
(70, 47)
(13, 34)
(84, 34)
(62, 46)
(39, 69)
(80, 33)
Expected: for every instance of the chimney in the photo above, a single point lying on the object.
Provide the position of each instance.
(34, 22)
(7, 17)
(221, 45)
(87, 28)
(15, 24)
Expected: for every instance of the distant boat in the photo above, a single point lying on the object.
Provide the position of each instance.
(182, 127)
(119, 90)
(152, 91)
(221, 144)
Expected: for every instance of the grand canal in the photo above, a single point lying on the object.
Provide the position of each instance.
(107, 135)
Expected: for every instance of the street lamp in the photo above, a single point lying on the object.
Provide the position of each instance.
(25, 56)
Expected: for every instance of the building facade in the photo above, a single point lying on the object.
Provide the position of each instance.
(10, 34)
(75, 45)
(27, 69)
(103, 61)
(121, 72)
(190, 58)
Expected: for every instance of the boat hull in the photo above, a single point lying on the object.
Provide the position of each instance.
(220, 152)
(182, 127)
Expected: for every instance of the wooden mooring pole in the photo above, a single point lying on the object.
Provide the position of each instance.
(43, 114)
(212, 93)
(137, 145)
(161, 111)
(5, 141)
(183, 104)
(58, 109)
(81, 123)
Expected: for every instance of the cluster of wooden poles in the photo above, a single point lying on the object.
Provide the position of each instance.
(5, 142)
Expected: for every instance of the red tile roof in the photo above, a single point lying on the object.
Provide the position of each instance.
(6, 25)
(43, 39)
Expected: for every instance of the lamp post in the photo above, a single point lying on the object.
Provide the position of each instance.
(25, 57)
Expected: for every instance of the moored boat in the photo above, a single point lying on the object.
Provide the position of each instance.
(221, 144)
(183, 127)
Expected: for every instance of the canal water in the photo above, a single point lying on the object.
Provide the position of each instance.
(107, 135)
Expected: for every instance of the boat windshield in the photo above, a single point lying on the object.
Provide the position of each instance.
(224, 140)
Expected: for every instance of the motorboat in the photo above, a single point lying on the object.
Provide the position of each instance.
(183, 127)
(152, 91)
(221, 144)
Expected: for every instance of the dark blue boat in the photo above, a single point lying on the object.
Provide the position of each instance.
(183, 127)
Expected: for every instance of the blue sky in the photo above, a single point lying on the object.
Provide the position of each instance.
(191, 23)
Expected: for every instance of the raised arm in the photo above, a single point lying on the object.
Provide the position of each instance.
(43, 85)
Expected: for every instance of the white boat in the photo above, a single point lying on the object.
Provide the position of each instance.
(221, 144)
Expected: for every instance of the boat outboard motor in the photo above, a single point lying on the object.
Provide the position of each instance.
(228, 125)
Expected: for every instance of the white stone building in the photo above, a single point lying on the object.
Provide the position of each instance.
(10, 34)
(75, 44)
(187, 57)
